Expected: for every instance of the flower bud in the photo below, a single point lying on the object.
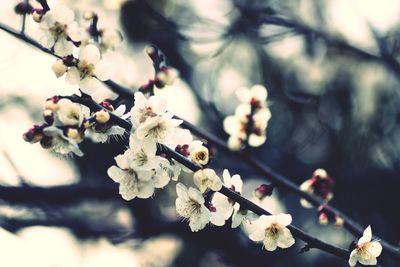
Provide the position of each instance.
(88, 15)
(111, 38)
(23, 8)
(87, 124)
(48, 116)
(107, 105)
(73, 133)
(183, 150)
(211, 207)
(46, 142)
(234, 143)
(59, 68)
(102, 116)
(207, 178)
(151, 52)
(263, 191)
(339, 221)
(50, 105)
(199, 155)
(37, 16)
(33, 135)
(166, 76)
(323, 218)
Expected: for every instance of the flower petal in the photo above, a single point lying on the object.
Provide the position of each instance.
(73, 76)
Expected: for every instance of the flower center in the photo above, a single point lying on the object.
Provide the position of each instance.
(85, 69)
(194, 207)
(273, 230)
(200, 156)
(147, 113)
(58, 30)
(141, 158)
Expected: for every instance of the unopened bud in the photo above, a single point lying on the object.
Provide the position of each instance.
(59, 68)
(234, 143)
(263, 191)
(183, 150)
(32, 135)
(151, 52)
(323, 218)
(37, 16)
(111, 38)
(339, 221)
(88, 15)
(102, 116)
(166, 76)
(321, 173)
(48, 116)
(107, 105)
(211, 207)
(46, 142)
(51, 105)
(87, 124)
(23, 8)
(73, 133)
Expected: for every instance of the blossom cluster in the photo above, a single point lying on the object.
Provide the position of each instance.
(67, 123)
(143, 167)
(61, 32)
(249, 123)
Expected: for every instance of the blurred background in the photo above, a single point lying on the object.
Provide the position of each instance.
(332, 73)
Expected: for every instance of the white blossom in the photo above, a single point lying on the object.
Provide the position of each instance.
(366, 250)
(59, 68)
(207, 178)
(61, 144)
(167, 76)
(223, 204)
(147, 108)
(133, 183)
(58, 28)
(253, 102)
(110, 38)
(90, 66)
(256, 93)
(142, 154)
(69, 113)
(190, 205)
(241, 215)
(151, 119)
(114, 131)
(273, 232)
(198, 153)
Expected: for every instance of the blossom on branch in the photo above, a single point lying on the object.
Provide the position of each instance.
(207, 178)
(249, 123)
(365, 251)
(136, 182)
(150, 118)
(56, 141)
(241, 215)
(190, 205)
(60, 30)
(273, 232)
(103, 128)
(89, 69)
(222, 203)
